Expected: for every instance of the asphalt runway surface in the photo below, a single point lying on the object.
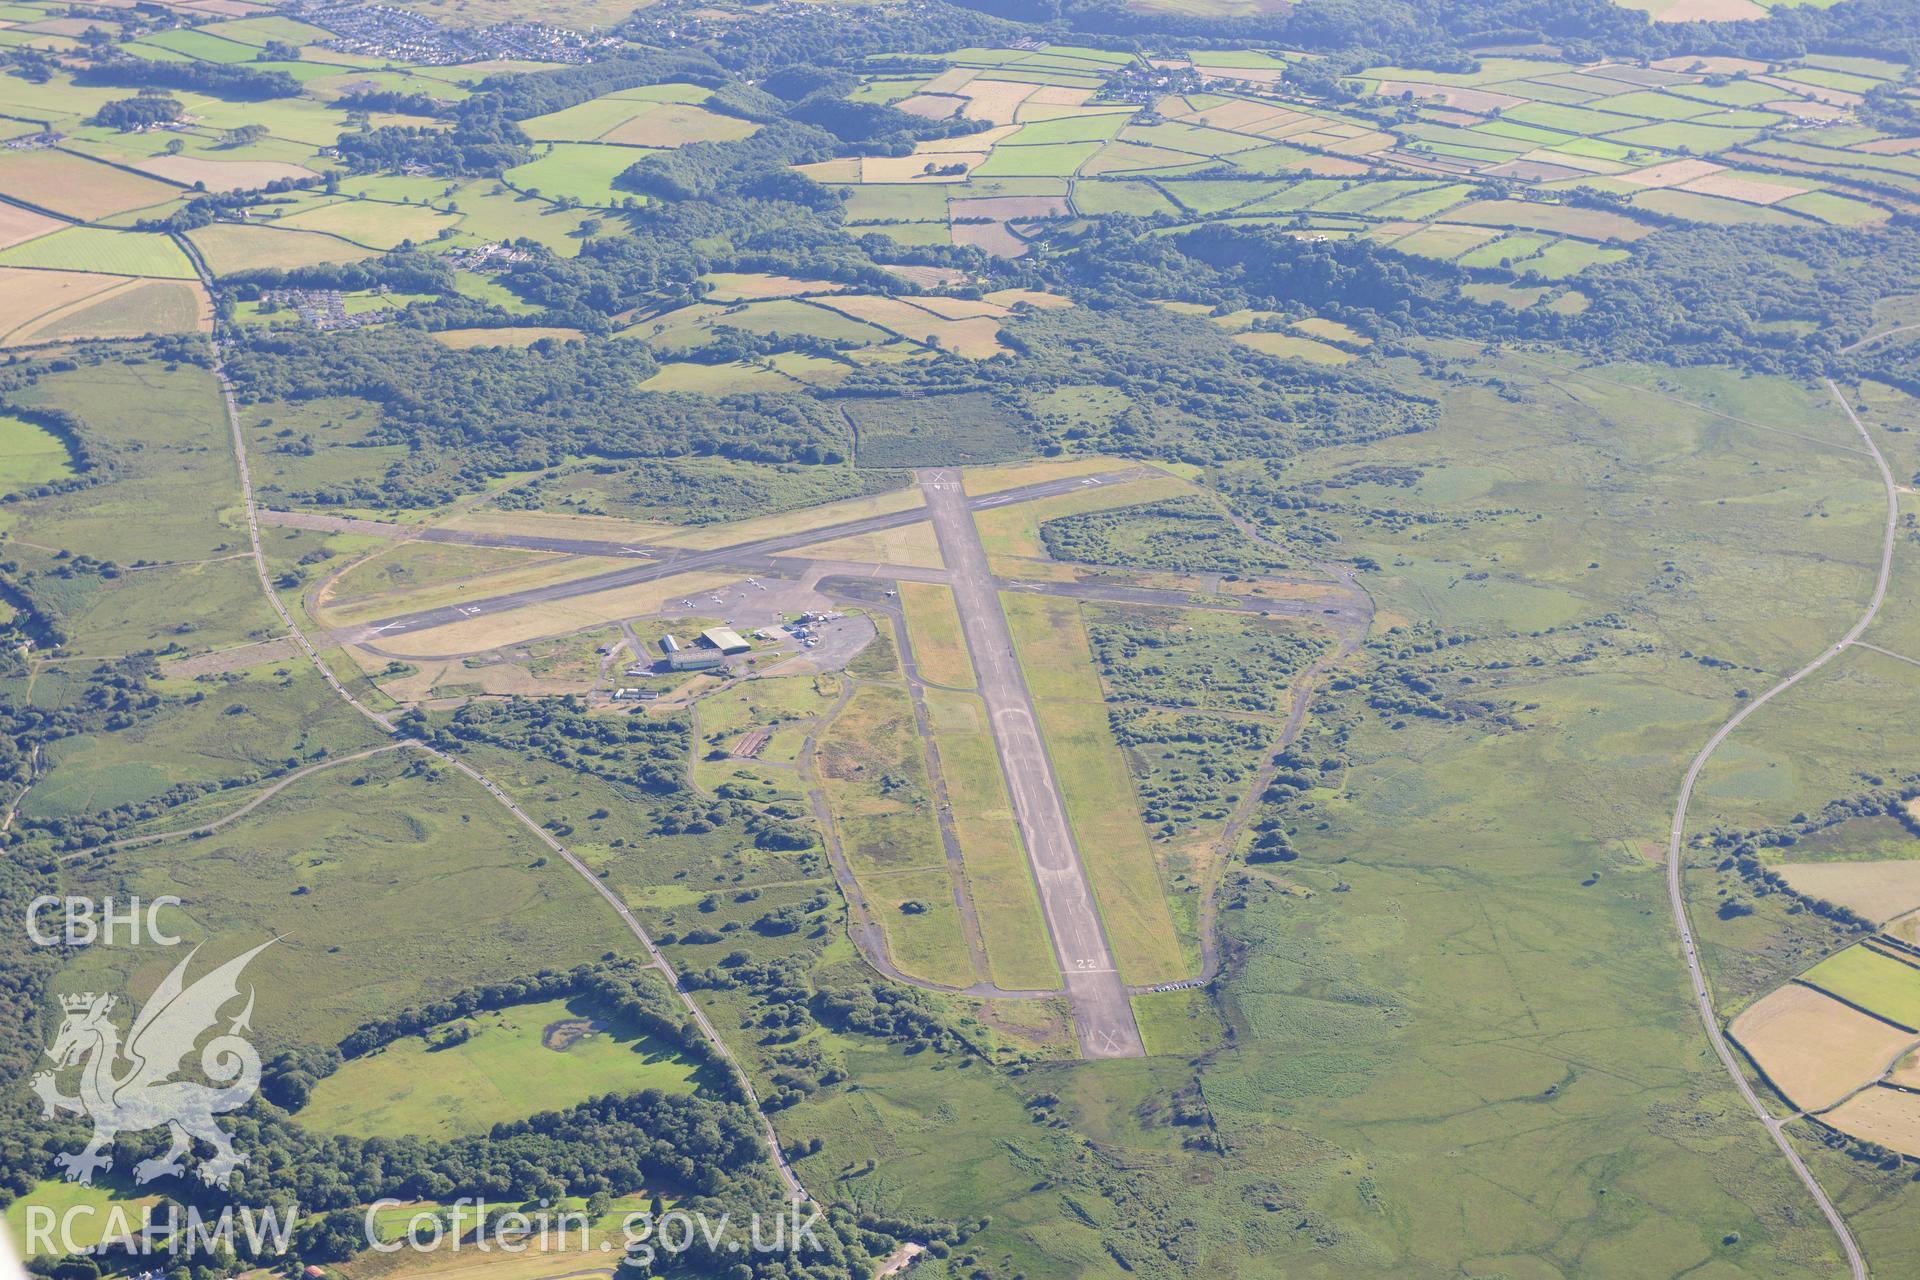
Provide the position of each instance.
(1102, 1013)
(750, 556)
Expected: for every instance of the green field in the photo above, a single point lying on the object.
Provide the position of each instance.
(166, 429)
(256, 724)
(1057, 159)
(88, 1212)
(1181, 1023)
(1876, 983)
(504, 1069)
(30, 455)
(871, 767)
(121, 253)
(1127, 883)
(933, 626)
(382, 894)
(374, 225)
(1019, 953)
(233, 249)
(580, 170)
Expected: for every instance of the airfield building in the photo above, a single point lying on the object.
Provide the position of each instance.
(725, 639)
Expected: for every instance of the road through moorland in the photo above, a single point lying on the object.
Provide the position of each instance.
(1102, 1013)
(1676, 887)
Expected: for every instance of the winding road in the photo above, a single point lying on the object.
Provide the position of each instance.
(1676, 881)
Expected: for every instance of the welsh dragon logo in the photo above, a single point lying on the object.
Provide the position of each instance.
(131, 1088)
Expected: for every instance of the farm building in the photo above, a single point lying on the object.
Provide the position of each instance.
(725, 639)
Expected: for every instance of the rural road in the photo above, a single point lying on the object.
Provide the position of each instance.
(1676, 886)
(676, 561)
(1872, 338)
(1102, 1013)
(657, 961)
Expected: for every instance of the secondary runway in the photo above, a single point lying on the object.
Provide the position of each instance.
(751, 556)
(1102, 1014)
(398, 532)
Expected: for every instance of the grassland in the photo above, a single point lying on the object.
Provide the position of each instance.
(509, 1065)
(999, 879)
(387, 884)
(95, 249)
(87, 1211)
(528, 572)
(933, 627)
(1462, 831)
(251, 726)
(1414, 1054)
(1014, 531)
(580, 171)
(30, 455)
(736, 532)
(1052, 646)
(537, 621)
(413, 564)
(168, 431)
(913, 545)
(788, 707)
(1184, 534)
(233, 249)
(872, 769)
(1177, 1023)
(1877, 983)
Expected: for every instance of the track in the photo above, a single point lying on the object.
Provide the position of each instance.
(1676, 882)
(1872, 338)
(260, 798)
